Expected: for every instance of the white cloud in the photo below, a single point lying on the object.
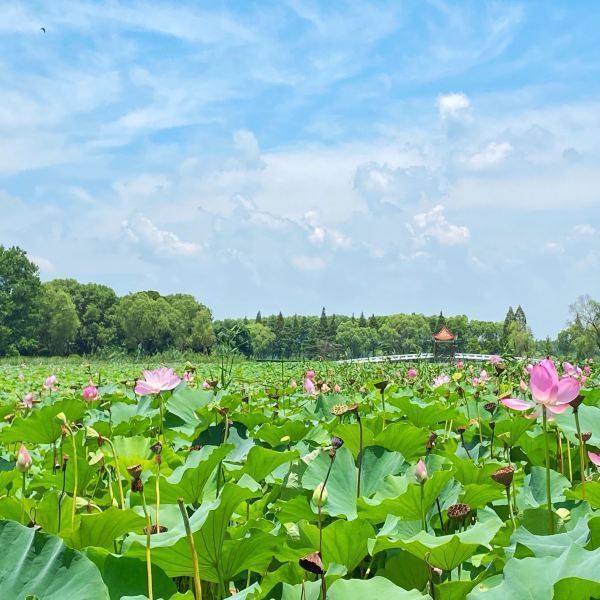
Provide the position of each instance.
(584, 230)
(453, 106)
(493, 154)
(45, 265)
(141, 230)
(304, 262)
(554, 248)
(433, 224)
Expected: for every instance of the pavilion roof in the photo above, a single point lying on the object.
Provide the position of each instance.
(444, 335)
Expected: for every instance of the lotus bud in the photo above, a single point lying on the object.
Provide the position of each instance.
(24, 461)
(91, 433)
(61, 418)
(421, 472)
(285, 439)
(320, 495)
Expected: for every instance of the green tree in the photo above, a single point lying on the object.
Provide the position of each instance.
(262, 339)
(58, 320)
(194, 328)
(520, 340)
(96, 310)
(19, 302)
(147, 321)
(587, 311)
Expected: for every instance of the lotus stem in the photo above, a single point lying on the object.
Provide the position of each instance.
(360, 453)
(117, 471)
(570, 464)
(559, 452)
(148, 550)
(75, 480)
(320, 503)
(383, 408)
(423, 520)
(23, 499)
(510, 508)
(157, 491)
(581, 452)
(190, 537)
(547, 461)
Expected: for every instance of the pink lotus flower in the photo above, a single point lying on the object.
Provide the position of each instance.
(310, 375)
(50, 383)
(90, 392)
(548, 391)
(421, 472)
(476, 381)
(495, 359)
(460, 364)
(528, 368)
(572, 370)
(157, 381)
(24, 461)
(337, 389)
(28, 400)
(206, 385)
(309, 386)
(587, 370)
(483, 376)
(523, 386)
(187, 376)
(595, 458)
(441, 380)
(412, 373)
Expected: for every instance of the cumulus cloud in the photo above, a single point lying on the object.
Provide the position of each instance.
(584, 230)
(44, 264)
(493, 154)
(382, 185)
(453, 106)
(433, 224)
(141, 230)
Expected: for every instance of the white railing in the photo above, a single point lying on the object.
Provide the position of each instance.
(417, 357)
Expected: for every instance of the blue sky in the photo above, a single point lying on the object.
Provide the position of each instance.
(377, 156)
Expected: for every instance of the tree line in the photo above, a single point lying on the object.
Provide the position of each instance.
(64, 316)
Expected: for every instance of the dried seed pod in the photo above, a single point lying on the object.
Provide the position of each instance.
(586, 436)
(137, 485)
(336, 442)
(156, 447)
(459, 512)
(381, 385)
(135, 471)
(504, 476)
(312, 563)
(490, 407)
(576, 402)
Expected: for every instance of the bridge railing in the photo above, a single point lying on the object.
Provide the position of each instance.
(418, 357)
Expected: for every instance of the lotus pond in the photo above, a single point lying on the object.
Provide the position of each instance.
(299, 481)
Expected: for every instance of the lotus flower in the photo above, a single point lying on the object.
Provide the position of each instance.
(337, 389)
(206, 385)
(157, 381)
(547, 389)
(412, 373)
(495, 359)
(310, 375)
(572, 370)
(441, 380)
(187, 376)
(90, 392)
(24, 461)
(28, 400)
(460, 364)
(324, 388)
(309, 386)
(421, 472)
(50, 383)
(595, 458)
(587, 370)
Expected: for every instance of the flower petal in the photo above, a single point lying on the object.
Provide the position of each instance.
(516, 403)
(568, 389)
(557, 408)
(542, 382)
(595, 458)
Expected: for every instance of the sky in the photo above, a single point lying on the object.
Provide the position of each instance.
(385, 156)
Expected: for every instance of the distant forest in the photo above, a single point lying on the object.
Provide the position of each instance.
(63, 316)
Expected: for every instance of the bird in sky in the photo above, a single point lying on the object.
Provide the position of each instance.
(43, 29)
